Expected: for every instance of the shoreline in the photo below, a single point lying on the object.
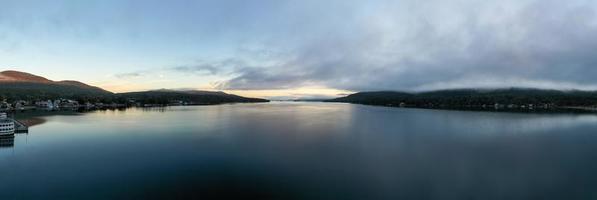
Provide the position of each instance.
(114, 107)
(535, 110)
(501, 109)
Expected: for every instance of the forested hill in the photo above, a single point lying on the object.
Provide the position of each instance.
(15, 85)
(474, 98)
(188, 96)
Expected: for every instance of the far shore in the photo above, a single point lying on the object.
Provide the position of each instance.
(40, 112)
(536, 110)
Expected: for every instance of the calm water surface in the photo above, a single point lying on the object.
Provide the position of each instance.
(302, 151)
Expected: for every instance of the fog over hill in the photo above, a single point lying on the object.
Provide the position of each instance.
(459, 98)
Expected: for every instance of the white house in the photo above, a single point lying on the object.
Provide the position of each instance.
(45, 104)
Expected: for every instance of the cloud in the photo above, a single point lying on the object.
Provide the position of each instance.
(214, 67)
(202, 69)
(199, 68)
(129, 75)
(401, 45)
(434, 46)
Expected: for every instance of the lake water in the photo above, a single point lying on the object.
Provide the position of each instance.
(302, 151)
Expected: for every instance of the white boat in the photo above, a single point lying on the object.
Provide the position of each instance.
(7, 126)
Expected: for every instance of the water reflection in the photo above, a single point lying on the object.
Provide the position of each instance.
(36, 117)
(7, 141)
(304, 151)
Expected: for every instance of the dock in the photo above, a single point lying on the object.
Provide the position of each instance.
(20, 127)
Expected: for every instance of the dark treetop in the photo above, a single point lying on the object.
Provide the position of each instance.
(511, 97)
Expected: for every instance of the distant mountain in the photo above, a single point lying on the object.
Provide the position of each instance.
(378, 97)
(16, 76)
(193, 97)
(513, 97)
(21, 85)
(15, 85)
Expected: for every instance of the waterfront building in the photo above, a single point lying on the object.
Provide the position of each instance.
(67, 103)
(45, 104)
(20, 105)
(56, 104)
(5, 106)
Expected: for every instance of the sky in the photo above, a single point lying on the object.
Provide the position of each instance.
(303, 48)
